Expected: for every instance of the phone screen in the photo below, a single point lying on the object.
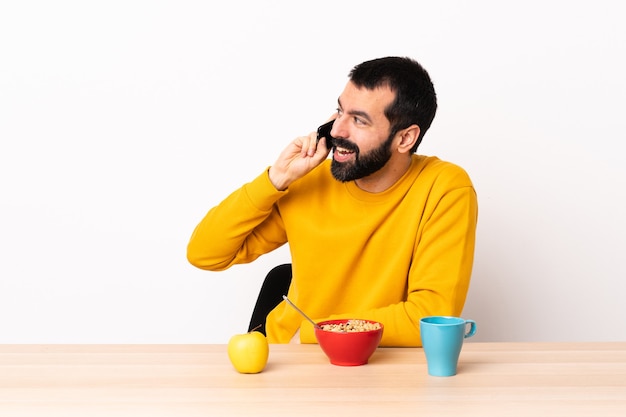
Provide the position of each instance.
(324, 132)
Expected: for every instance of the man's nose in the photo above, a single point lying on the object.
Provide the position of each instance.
(339, 129)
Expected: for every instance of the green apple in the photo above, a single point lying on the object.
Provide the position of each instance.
(248, 352)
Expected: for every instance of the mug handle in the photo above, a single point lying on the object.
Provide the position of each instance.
(472, 328)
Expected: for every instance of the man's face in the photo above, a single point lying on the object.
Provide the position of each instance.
(362, 144)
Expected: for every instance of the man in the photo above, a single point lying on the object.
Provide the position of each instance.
(377, 232)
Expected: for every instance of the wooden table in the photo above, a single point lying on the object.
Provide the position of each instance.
(495, 379)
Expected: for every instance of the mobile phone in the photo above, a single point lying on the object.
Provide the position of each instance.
(324, 132)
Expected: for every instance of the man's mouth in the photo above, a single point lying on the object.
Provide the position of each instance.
(343, 151)
(342, 154)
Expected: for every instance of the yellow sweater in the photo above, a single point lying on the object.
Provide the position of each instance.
(393, 257)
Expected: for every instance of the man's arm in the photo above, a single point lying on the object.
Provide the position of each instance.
(246, 225)
(240, 229)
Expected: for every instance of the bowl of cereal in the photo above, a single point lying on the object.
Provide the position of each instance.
(349, 342)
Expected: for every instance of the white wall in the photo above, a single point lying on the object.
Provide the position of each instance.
(123, 122)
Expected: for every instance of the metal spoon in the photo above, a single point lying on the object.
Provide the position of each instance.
(301, 312)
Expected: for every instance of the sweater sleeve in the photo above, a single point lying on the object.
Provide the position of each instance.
(439, 274)
(241, 228)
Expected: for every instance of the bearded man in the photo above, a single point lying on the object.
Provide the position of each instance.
(377, 232)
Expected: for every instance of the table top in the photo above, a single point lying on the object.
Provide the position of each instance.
(494, 379)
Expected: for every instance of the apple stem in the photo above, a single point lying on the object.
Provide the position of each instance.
(255, 328)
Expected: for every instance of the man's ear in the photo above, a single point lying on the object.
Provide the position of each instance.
(408, 138)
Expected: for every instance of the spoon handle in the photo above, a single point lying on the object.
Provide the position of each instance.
(301, 312)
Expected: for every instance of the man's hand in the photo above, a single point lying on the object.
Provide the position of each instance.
(297, 160)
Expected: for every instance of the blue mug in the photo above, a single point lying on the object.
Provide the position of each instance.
(442, 340)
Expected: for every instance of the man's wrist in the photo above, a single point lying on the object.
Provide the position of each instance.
(278, 181)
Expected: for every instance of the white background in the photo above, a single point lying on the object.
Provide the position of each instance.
(123, 122)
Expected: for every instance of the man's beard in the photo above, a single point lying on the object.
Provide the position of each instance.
(363, 165)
